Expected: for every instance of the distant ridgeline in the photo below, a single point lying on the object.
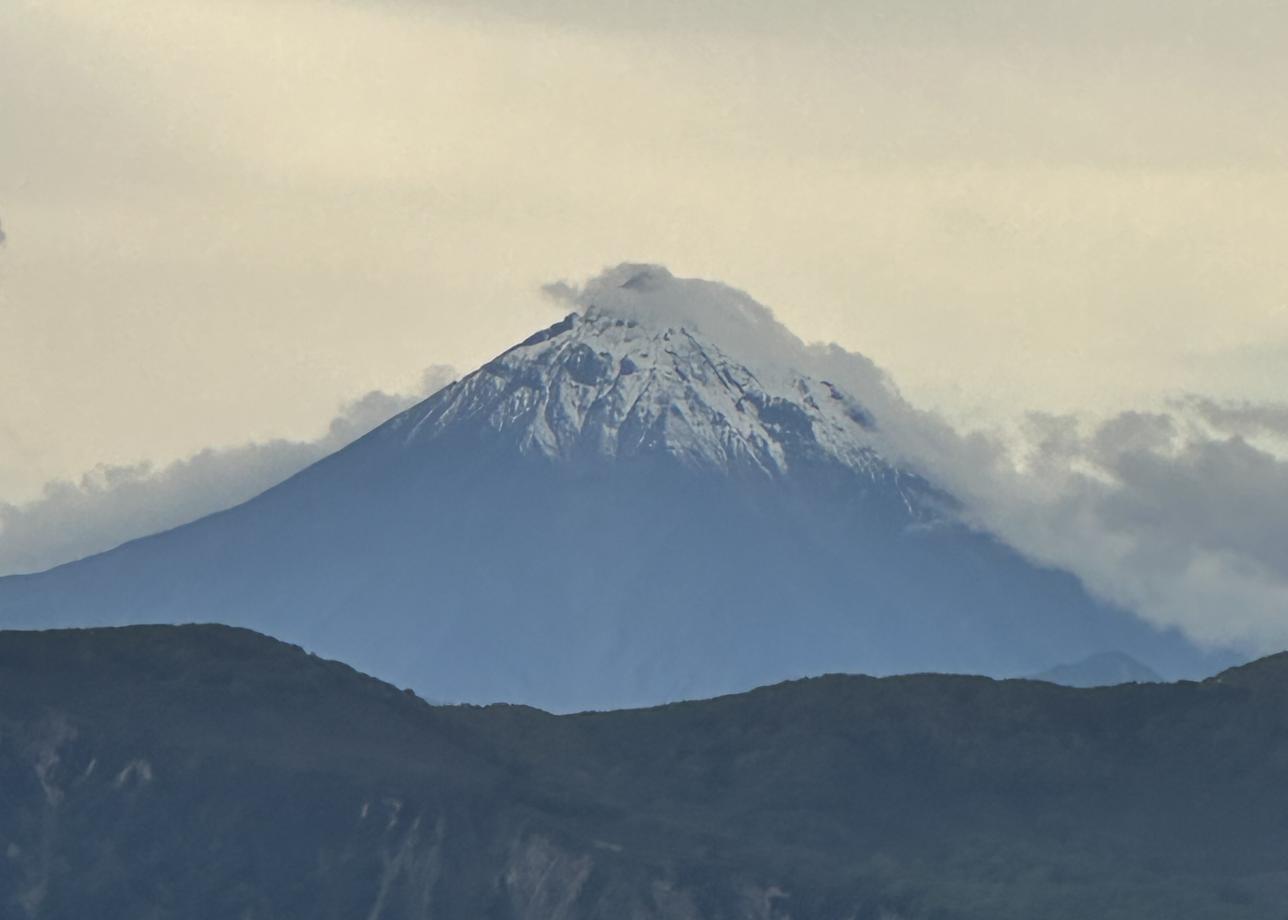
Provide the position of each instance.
(206, 772)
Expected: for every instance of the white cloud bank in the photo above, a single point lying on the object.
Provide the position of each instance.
(113, 504)
(1176, 515)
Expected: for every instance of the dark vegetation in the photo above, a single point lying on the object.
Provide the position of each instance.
(208, 772)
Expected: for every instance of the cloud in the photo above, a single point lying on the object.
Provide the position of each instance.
(1239, 417)
(113, 504)
(1175, 515)
(3, 238)
(1180, 515)
(744, 328)
(1160, 515)
(651, 294)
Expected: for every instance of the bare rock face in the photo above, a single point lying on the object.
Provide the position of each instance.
(543, 880)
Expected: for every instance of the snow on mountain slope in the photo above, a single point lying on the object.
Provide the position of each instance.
(603, 385)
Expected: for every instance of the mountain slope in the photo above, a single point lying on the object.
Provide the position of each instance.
(206, 772)
(620, 510)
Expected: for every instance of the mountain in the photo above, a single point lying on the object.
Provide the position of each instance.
(663, 496)
(1104, 670)
(206, 772)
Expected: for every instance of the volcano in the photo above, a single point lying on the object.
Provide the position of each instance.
(665, 495)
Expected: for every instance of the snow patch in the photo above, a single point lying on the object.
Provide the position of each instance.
(605, 383)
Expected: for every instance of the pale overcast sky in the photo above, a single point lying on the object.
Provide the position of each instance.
(226, 218)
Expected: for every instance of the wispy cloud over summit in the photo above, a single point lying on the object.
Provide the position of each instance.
(1179, 514)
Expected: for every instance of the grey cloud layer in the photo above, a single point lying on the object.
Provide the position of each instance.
(114, 504)
(1242, 417)
(1177, 516)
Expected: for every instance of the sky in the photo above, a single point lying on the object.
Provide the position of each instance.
(230, 227)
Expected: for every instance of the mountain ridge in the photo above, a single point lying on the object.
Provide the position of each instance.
(206, 772)
(1103, 669)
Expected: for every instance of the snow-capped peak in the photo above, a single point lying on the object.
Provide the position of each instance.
(644, 369)
(652, 297)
